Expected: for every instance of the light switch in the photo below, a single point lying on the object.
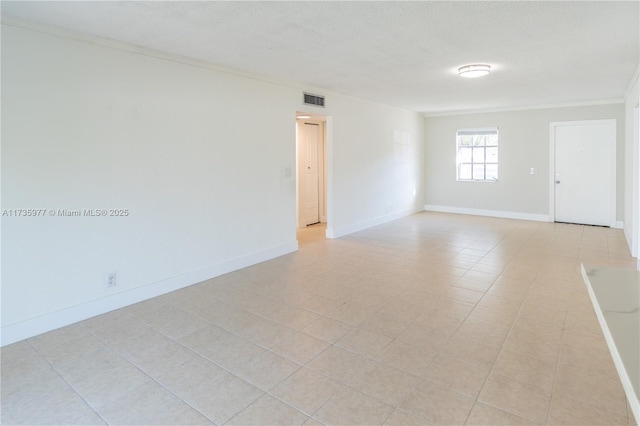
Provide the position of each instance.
(533, 171)
(287, 172)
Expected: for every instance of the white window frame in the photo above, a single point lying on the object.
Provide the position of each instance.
(460, 163)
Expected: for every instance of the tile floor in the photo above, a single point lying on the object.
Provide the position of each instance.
(431, 319)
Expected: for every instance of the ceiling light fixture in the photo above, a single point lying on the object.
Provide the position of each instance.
(304, 117)
(475, 70)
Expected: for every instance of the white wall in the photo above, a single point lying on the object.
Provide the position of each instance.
(377, 156)
(196, 155)
(523, 144)
(632, 168)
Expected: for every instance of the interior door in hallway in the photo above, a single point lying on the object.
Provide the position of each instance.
(309, 177)
(584, 174)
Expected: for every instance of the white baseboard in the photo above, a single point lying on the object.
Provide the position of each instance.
(619, 224)
(32, 327)
(489, 213)
(350, 229)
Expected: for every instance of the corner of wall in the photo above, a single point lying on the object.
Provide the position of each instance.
(360, 226)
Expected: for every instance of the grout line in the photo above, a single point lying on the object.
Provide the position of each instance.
(152, 377)
(498, 355)
(555, 372)
(53, 367)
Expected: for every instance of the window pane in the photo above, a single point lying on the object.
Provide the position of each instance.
(464, 155)
(478, 171)
(492, 171)
(492, 155)
(465, 171)
(478, 155)
(465, 140)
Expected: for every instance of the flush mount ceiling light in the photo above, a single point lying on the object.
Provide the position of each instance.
(304, 117)
(475, 70)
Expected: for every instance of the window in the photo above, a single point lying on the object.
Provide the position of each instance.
(477, 158)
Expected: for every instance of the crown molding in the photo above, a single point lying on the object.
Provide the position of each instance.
(524, 108)
(158, 54)
(633, 81)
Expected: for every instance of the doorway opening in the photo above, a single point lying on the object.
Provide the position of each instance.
(311, 177)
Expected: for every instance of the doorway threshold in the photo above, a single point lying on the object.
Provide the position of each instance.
(312, 233)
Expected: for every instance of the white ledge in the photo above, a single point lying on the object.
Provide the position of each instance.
(615, 294)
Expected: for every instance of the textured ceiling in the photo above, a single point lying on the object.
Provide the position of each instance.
(399, 53)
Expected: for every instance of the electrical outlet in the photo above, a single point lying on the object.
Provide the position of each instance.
(110, 280)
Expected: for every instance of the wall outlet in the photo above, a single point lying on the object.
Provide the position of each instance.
(110, 280)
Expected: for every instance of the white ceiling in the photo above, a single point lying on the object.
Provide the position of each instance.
(399, 53)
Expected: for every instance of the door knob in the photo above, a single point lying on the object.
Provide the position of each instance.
(557, 181)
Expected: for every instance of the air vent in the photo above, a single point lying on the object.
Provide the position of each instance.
(316, 100)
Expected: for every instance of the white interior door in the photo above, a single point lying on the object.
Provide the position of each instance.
(584, 174)
(309, 178)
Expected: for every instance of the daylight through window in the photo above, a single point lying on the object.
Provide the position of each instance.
(477, 158)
